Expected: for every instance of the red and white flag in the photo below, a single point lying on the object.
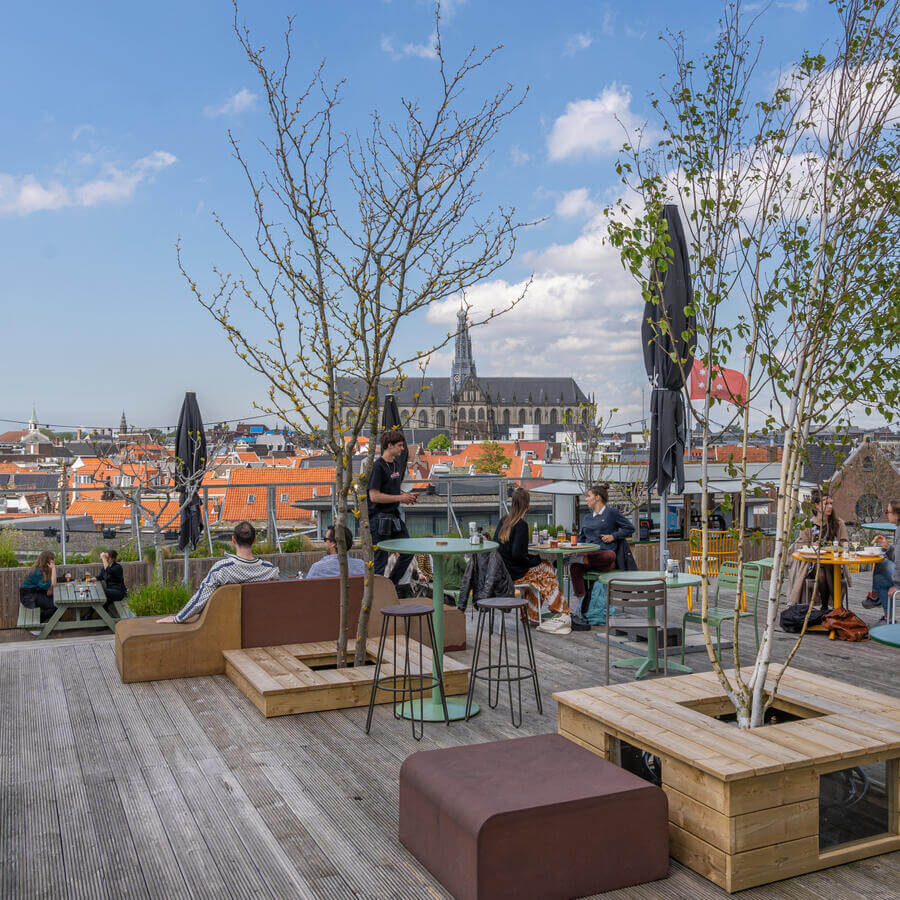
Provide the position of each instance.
(727, 384)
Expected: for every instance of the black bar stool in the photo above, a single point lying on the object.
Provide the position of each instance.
(504, 669)
(410, 682)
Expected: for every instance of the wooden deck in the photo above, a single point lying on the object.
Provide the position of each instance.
(183, 789)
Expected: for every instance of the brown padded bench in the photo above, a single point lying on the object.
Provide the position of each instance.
(533, 817)
(261, 614)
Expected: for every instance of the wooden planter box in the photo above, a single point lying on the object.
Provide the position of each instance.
(299, 678)
(750, 807)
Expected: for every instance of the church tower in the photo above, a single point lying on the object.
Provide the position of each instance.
(123, 425)
(463, 363)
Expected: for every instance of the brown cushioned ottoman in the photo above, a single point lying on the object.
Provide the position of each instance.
(531, 817)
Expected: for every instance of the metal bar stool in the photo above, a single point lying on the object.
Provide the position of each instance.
(504, 669)
(410, 682)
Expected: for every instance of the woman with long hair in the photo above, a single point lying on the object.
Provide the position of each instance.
(526, 568)
(825, 528)
(37, 588)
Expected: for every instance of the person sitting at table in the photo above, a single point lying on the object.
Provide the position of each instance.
(527, 568)
(238, 568)
(825, 528)
(610, 529)
(327, 566)
(113, 579)
(886, 573)
(37, 588)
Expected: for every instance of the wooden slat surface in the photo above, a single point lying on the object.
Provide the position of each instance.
(182, 789)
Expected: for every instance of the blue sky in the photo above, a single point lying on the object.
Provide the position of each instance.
(114, 145)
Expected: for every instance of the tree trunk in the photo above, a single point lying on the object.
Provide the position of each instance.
(365, 536)
(158, 546)
(344, 607)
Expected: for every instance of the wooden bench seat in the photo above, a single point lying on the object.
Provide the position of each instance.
(123, 610)
(29, 618)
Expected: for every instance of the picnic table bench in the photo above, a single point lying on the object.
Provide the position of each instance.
(76, 596)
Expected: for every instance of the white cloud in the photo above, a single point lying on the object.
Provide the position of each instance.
(426, 50)
(577, 42)
(608, 20)
(576, 203)
(580, 317)
(82, 129)
(518, 155)
(593, 126)
(795, 5)
(237, 103)
(25, 194)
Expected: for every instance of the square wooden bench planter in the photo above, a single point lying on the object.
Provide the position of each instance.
(817, 788)
(299, 678)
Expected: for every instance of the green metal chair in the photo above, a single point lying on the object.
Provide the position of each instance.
(728, 579)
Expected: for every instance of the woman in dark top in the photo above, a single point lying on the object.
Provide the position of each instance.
(527, 568)
(37, 589)
(112, 576)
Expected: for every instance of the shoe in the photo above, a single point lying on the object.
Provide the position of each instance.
(871, 601)
(36, 633)
(881, 621)
(580, 624)
(561, 624)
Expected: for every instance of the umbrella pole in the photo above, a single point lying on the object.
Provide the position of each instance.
(663, 530)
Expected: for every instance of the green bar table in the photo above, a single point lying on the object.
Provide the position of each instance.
(560, 553)
(439, 549)
(886, 634)
(643, 664)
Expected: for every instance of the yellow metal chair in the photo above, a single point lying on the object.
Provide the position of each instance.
(722, 547)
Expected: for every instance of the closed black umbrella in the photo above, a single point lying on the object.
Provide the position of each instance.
(190, 455)
(667, 410)
(390, 419)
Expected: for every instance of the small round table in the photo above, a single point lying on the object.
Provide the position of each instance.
(560, 553)
(886, 634)
(879, 526)
(439, 549)
(643, 663)
(829, 559)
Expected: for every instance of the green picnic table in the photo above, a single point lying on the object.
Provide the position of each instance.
(643, 664)
(81, 596)
(439, 549)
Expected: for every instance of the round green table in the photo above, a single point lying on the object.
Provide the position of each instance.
(879, 526)
(886, 634)
(560, 553)
(439, 549)
(643, 664)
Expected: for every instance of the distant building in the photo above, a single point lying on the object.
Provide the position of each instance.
(471, 407)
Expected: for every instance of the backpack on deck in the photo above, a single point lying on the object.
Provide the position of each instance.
(793, 617)
(847, 626)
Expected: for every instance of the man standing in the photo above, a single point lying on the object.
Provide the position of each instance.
(327, 566)
(385, 496)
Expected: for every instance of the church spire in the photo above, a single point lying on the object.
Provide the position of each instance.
(123, 425)
(463, 363)
(32, 422)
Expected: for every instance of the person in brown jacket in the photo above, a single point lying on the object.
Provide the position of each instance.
(826, 527)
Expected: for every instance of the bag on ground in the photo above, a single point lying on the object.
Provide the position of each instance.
(792, 618)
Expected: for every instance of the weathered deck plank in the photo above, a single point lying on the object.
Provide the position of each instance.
(182, 788)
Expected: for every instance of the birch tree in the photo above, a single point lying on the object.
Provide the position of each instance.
(357, 233)
(791, 209)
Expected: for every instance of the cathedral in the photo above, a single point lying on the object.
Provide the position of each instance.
(466, 406)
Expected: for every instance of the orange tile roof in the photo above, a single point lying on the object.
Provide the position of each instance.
(295, 485)
(103, 512)
(12, 437)
(246, 457)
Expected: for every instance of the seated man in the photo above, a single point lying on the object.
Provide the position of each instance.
(237, 568)
(327, 566)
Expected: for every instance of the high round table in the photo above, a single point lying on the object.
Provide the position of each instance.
(886, 634)
(879, 526)
(560, 553)
(643, 663)
(439, 549)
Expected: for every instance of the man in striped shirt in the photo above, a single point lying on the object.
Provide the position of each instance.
(237, 568)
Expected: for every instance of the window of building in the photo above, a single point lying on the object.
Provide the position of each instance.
(506, 417)
(423, 419)
(869, 508)
(471, 415)
(522, 416)
(553, 417)
(481, 414)
(537, 417)
(284, 498)
(251, 498)
(439, 419)
(868, 464)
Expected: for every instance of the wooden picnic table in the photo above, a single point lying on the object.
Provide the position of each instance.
(81, 596)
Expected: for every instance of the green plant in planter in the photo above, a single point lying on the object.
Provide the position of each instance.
(298, 543)
(9, 543)
(158, 599)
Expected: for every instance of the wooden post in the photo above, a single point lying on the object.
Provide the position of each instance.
(688, 502)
